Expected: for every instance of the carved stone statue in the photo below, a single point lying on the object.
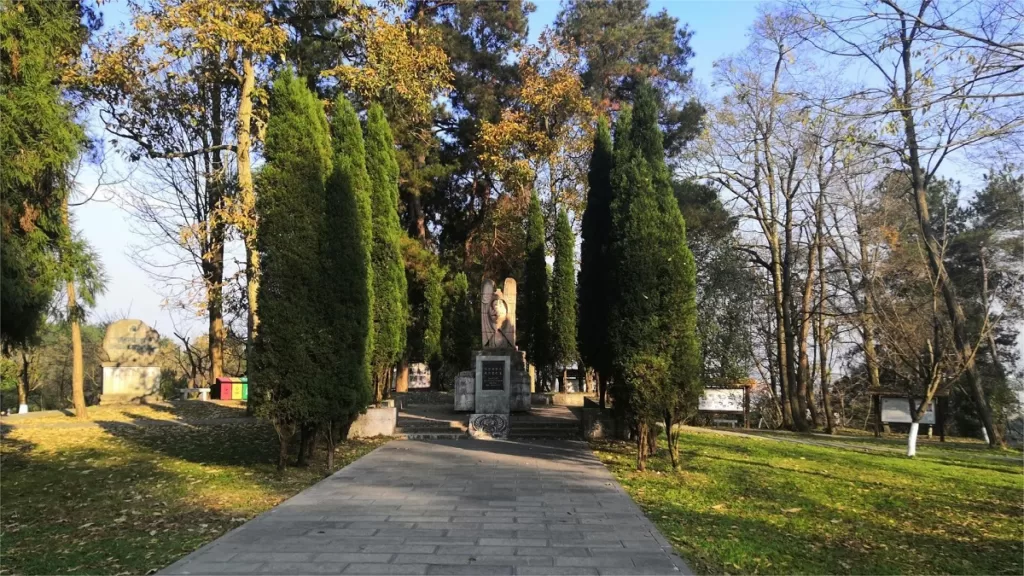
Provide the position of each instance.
(498, 314)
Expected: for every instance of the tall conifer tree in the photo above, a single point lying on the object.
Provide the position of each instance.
(347, 276)
(563, 297)
(535, 326)
(288, 356)
(594, 282)
(653, 317)
(390, 298)
(39, 139)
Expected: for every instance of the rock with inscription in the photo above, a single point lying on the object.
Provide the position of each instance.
(131, 343)
(130, 370)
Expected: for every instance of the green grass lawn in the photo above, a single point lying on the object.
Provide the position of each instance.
(118, 498)
(751, 505)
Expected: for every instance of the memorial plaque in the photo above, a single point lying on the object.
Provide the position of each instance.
(492, 375)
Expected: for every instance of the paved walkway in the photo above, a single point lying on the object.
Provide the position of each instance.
(451, 507)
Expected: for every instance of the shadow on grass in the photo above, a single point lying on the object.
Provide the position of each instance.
(130, 497)
(248, 443)
(744, 515)
(84, 512)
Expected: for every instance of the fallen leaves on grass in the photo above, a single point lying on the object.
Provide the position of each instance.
(143, 495)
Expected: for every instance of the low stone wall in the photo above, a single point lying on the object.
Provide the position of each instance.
(560, 398)
(375, 422)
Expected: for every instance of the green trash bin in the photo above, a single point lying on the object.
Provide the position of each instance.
(245, 389)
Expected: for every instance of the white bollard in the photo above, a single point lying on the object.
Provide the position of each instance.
(912, 440)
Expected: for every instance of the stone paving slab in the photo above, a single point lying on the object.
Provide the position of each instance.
(451, 507)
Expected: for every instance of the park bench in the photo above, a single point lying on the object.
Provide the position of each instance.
(724, 422)
(204, 393)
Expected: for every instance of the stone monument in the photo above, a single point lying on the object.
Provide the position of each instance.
(499, 382)
(130, 371)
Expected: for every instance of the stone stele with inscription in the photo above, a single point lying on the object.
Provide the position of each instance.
(130, 370)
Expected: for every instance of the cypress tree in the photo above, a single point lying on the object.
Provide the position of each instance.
(563, 296)
(390, 298)
(535, 304)
(346, 278)
(288, 356)
(653, 317)
(594, 281)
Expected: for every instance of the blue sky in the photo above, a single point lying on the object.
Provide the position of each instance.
(719, 27)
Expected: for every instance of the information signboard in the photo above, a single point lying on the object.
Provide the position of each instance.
(897, 410)
(721, 400)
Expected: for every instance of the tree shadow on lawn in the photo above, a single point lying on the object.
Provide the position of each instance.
(246, 443)
(856, 478)
(95, 510)
(740, 515)
(725, 541)
(195, 409)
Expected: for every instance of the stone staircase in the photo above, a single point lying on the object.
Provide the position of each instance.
(545, 422)
(435, 422)
(430, 422)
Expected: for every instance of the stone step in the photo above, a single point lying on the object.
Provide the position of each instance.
(403, 435)
(545, 425)
(431, 426)
(544, 434)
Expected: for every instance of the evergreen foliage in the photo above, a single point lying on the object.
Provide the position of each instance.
(624, 43)
(458, 333)
(534, 327)
(346, 277)
(653, 316)
(594, 281)
(425, 279)
(288, 357)
(38, 140)
(563, 295)
(390, 298)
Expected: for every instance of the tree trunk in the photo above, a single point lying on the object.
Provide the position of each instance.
(805, 327)
(993, 352)
(821, 337)
(602, 389)
(330, 446)
(641, 447)
(247, 196)
(912, 440)
(74, 319)
(213, 259)
(307, 441)
(284, 434)
(782, 354)
(402, 381)
(672, 438)
(23, 384)
(938, 267)
(933, 250)
(797, 385)
(77, 362)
